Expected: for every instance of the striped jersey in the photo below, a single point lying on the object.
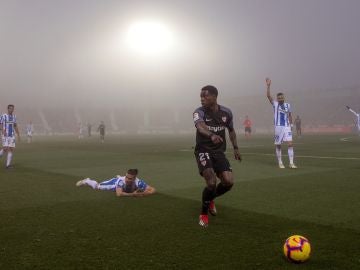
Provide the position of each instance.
(281, 114)
(29, 128)
(8, 122)
(357, 117)
(138, 184)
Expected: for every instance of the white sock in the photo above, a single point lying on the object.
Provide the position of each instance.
(278, 154)
(1, 152)
(291, 154)
(91, 183)
(9, 157)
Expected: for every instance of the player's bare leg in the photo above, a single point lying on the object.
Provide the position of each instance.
(9, 152)
(225, 185)
(279, 156)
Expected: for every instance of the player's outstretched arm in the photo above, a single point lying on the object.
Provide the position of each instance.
(121, 193)
(268, 94)
(351, 110)
(203, 129)
(148, 191)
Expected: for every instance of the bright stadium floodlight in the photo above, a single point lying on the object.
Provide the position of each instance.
(149, 38)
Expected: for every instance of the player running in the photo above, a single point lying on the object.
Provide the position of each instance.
(211, 120)
(8, 128)
(128, 185)
(283, 125)
(357, 118)
(247, 124)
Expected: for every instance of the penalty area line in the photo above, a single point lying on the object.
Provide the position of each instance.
(240, 146)
(301, 156)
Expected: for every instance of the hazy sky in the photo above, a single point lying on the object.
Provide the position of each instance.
(69, 51)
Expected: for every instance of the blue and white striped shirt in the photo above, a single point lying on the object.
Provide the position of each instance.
(281, 114)
(8, 122)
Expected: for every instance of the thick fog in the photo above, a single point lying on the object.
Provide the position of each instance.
(57, 55)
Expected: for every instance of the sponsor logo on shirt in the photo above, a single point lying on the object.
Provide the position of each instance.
(216, 129)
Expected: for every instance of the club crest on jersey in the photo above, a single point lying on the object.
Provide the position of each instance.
(196, 116)
(224, 118)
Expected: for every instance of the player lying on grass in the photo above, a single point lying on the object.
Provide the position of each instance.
(128, 185)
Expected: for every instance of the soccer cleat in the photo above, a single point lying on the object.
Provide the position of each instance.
(204, 221)
(292, 166)
(212, 208)
(281, 165)
(81, 182)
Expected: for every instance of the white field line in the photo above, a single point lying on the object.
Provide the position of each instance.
(241, 147)
(344, 139)
(300, 156)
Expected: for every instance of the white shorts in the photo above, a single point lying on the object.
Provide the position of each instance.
(282, 134)
(29, 133)
(8, 141)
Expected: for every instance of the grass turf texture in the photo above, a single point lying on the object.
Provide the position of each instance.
(48, 223)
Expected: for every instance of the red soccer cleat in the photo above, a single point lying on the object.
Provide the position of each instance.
(204, 220)
(212, 208)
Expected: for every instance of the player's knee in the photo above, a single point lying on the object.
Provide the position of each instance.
(229, 182)
(211, 185)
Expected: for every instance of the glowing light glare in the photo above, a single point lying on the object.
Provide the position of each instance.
(149, 38)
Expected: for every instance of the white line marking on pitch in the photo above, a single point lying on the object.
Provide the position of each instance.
(319, 157)
(344, 139)
(240, 146)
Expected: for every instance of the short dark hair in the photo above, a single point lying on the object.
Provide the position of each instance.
(211, 89)
(133, 171)
(10, 105)
(279, 94)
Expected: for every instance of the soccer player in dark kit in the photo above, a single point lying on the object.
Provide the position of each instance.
(211, 120)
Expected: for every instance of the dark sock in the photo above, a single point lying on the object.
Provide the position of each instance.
(221, 189)
(207, 196)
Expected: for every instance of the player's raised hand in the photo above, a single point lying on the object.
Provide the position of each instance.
(216, 139)
(268, 82)
(237, 154)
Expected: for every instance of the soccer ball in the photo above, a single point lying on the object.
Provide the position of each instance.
(297, 249)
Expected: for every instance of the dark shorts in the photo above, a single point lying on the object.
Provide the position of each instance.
(248, 129)
(215, 160)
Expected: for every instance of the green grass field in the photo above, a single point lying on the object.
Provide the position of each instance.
(48, 223)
